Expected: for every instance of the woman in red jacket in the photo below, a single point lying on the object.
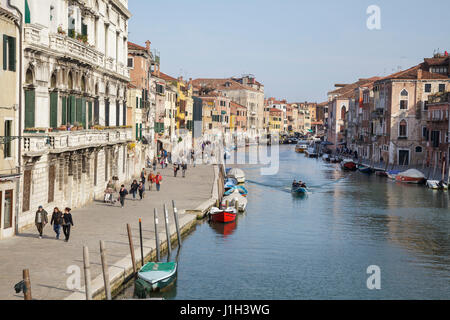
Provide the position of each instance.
(158, 180)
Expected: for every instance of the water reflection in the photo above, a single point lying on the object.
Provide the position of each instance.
(224, 229)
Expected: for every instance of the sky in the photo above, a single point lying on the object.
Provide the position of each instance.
(297, 49)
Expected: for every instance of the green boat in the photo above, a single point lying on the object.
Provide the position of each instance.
(154, 277)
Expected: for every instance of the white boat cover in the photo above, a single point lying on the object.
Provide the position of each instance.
(236, 173)
(412, 173)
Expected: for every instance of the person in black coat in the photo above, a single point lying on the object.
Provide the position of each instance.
(122, 194)
(134, 188)
(67, 223)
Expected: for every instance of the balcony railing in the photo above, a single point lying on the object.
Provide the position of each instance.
(40, 143)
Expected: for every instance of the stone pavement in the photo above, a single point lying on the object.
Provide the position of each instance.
(48, 258)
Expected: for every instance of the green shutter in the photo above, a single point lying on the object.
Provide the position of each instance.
(12, 53)
(84, 31)
(83, 112)
(5, 52)
(137, 102)
(53, 110)
(89, 113)
(79, 112)
(140, 131)
(64, 111)
(137, 131)
(27, 13)
(29, 108)
(73, 111)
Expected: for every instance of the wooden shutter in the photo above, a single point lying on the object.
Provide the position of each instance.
(29, 108)
(96, 111)
(117, 113)
(79, 112)
(124, 114)
(53, 110)
(83, 113)
(12, 53)
(27, 12)
(26, 190)
(63, 110)
(89, 114)
(5, 52)
(107, 113)
(72, 108)
(137, 131)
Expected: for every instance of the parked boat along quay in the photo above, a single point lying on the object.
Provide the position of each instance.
(319, 246)
(48, 259)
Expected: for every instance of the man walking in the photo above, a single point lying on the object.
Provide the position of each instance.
(41, 220)
(184, 168)
(67, 223)
(57, 221)
(122, 194)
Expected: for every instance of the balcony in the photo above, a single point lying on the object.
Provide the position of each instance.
(36, 144)
(69, 47)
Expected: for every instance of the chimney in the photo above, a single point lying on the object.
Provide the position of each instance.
(419, 74)
(147, 45)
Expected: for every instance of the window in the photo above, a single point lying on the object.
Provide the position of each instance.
(428, 87)
(441, 87)
(130, 63)
(8, 133)
(425, 133)
(403, 104)
(9, 53)
(402, 132)
(418, 149)
(425, 105)
(404, 93)
(7, 209)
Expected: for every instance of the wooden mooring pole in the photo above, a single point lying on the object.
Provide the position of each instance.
(142, 245)
(130, 241)
(27, 285)
(166, 220)
(158, 253)
(177, 224)
(87, 273)
(105, 270)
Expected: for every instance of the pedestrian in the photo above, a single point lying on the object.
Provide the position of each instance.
(184, 168)
(122, 194)
(57, 221)
(166, 162)
(141, 190)
(154, 164)
(67, 223)
(158, 180)
(151, 177)
(193, 157)
(143, 175)
(134, 188)
(41, 219)
(176, 167)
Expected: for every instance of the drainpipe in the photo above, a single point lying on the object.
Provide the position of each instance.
(20, 27)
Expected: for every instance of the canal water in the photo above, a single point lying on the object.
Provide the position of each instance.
(320, 246)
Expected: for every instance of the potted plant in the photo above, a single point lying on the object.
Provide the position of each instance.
(61, 30)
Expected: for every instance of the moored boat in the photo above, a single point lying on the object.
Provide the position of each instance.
(236, 196)
(230, 183)
(349, 165)
(365, 169)
(237, 174)
(223, 215)
(311, 152)
(437, 185)
(410, 176)
(241, 189)
(154, 277)
(301, 148)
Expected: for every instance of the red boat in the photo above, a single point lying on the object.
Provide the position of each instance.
(411, 176)
(348, 164)
(223, 216)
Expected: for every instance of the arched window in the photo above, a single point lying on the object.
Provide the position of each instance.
(404, 93)
(29, 78)
(70, 81)
(53, 81)
(418, 149)
(404, 100)
(343, 111)
(403, 129)
(83, 84)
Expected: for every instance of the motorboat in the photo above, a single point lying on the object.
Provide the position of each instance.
(223, 215)
(349, 165)
(365, 169)
(299, 189)
(326, 157)
(392, 174)
(239, 188)
(301, 148)
(437, 185)
(237, 174)
(311, 153)
(154, 277)
(230, 183)
(234, 197)
(413, 176)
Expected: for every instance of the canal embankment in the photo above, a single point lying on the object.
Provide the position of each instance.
(56, 267)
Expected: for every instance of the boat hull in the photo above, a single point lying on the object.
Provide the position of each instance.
(223, 217)
(366, 170)
(349, 166)
(410, 180)
(147, 281)
(299, 191)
